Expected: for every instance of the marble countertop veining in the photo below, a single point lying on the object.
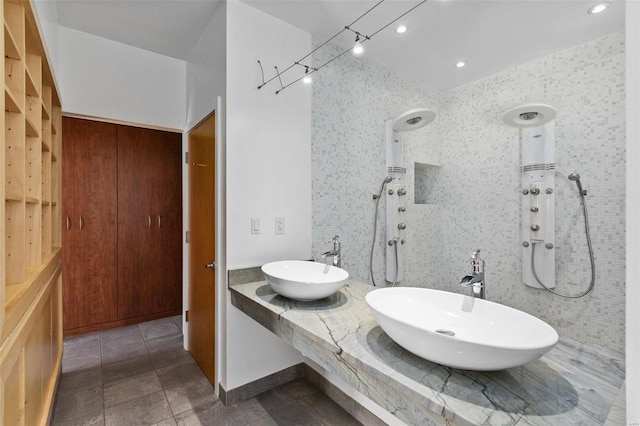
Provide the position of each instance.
(573, 384)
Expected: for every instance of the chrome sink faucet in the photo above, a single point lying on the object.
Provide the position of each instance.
(475, 279)
(335, 253)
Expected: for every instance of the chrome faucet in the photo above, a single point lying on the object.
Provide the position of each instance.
(475, 279)
(335, 253)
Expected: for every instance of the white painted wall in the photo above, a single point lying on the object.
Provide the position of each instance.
(206, 69)
(47, 20)
(103, 78)
(633, 212)
(206, 87)
(268, 174)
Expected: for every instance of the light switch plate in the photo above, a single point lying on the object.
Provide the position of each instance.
(255, 225)
(279, 225)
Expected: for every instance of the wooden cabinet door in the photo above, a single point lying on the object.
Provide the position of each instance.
(89, 222)
(149, 222)
(167, 204)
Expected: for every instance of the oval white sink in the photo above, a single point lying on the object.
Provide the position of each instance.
(459, 331)
(304, 280)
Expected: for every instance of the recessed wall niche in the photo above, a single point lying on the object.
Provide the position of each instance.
(426, 178)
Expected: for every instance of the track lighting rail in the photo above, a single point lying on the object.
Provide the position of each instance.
(360, 38)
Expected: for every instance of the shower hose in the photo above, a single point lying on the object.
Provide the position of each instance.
(593, 265)
(373, 243)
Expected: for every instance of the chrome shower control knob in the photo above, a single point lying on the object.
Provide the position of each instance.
(534, 191)
(402, 191)
(549, 246)
(401, 209)
(549, 191)
(390, 192)
(535, 227)
(534, 209)
(402, 226)
(525, 244)
(525, 192)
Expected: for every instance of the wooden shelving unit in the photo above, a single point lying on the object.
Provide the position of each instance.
(30, 236)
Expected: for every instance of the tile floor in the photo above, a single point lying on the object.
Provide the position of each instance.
(141, 375)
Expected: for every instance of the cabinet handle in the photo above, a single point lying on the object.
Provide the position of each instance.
(68, 223)
(159, 222)
(81, 223)
(149, 221)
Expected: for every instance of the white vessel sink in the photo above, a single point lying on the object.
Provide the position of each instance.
(459, 331)
(303, 280)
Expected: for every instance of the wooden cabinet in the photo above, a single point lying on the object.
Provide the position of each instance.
(149, 222)
(123, 247)
(30, 233)
(90, 179)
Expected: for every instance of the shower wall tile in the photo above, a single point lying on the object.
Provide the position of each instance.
(474, 198)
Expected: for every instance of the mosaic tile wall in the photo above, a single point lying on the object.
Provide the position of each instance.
(472, 200)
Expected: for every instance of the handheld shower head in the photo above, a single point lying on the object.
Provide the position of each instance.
(576, 178)
(386, 180)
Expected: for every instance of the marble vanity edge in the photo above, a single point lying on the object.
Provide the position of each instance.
(244, 276)
(360, 376)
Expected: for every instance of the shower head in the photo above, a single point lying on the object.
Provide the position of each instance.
(413, 119)
(386, 180)
(529, 115)
(576, 178)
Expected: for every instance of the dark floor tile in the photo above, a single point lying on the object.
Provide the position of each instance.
(159, 328)
(116, 352)
(91, 420)
(176, 375)
(120, 339)
(114, 372)
(203, 415)
(190, 395)
(81, 352)
(166, 422)
(326, 411)
(178, 320)
(293, 413)
(147, 410)
(299, 388)
(164, 343)
(274, 398)
(84, 380)
(265, 420)
(175, 357)
(73, 406)
(132, 388)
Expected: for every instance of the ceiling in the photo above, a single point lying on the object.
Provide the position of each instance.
(490, 35)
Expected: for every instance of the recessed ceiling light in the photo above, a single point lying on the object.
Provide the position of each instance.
(460, 64)
(401, 29)
(358, 49)
(307, 79)
(598, 8)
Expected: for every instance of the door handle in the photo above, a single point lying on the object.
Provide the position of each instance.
(68, 223)
(81, 223)
(149, 222)
(159, 222)
(211, 265)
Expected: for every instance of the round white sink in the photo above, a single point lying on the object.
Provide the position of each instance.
(304, 280)
(459, 331)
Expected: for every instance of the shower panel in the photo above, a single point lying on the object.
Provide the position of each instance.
(537, 177)
(396, 192)
(395, 206)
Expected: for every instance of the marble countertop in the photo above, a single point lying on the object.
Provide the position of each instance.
(573, 384)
